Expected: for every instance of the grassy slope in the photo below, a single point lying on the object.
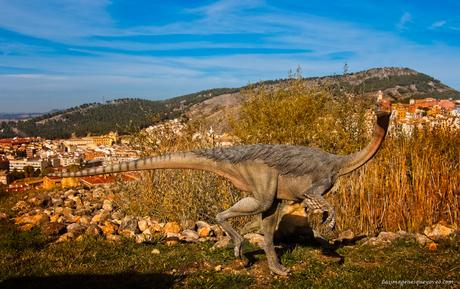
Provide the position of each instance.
(29, 260)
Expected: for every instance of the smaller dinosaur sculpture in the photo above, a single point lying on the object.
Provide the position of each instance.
(272, 173)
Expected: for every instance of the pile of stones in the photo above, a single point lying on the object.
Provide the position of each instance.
(72, 214)
(75, 213)
(430, 237)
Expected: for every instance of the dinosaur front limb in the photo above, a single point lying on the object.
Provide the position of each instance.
(317, 202)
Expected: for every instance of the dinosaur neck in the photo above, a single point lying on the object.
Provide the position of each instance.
(356, 160)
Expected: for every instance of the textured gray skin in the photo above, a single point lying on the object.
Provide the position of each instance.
(272, 173)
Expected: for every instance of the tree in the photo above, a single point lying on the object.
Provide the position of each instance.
(73, 168)
(345, 68)
(46, 171)
(20, 153)
(28, 171)
(14, 175)
(37, 173)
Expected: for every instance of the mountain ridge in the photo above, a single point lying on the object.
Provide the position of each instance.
(127, 115)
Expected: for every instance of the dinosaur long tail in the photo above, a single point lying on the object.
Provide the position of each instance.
(180, 160)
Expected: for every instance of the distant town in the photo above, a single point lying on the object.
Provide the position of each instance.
(25, 161)
(427, 112)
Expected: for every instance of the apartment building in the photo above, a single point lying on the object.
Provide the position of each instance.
(21, 163)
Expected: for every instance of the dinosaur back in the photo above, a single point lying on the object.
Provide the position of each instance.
(287, 159)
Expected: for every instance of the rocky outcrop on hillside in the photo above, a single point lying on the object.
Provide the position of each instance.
(215, 112)
(400, 84)
(378, 73)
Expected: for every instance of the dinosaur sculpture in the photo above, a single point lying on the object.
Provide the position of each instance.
(272, 173)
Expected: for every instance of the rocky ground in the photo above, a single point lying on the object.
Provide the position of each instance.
(72, 214)
(83, 238)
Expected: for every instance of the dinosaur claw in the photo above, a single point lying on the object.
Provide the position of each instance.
(279, 269)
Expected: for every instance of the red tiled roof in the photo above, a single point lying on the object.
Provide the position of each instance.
(106, 179)
(131, 176)
(97, 180)
(16, 140)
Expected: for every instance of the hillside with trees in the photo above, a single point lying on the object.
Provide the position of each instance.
(123, 115)
(129, 115)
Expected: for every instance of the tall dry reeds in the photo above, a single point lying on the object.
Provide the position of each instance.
(413, 181)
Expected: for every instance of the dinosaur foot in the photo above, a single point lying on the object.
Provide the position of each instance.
(279, 269)
(238, 250)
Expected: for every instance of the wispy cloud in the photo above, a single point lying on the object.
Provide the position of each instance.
(60, 20)
(35, 76)
(404, 20)
(224, 7)
(438, 24)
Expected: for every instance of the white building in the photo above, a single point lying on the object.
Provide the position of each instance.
(20, 164)
(456, 112)
(67, 161)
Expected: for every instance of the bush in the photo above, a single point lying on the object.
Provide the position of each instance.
(294, 113)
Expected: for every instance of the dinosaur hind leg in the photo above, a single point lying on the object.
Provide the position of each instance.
(269, 222)
(245, 207)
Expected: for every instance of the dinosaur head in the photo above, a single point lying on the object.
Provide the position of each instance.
(383, 105)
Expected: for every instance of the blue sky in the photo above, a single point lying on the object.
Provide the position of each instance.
(61, 53)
